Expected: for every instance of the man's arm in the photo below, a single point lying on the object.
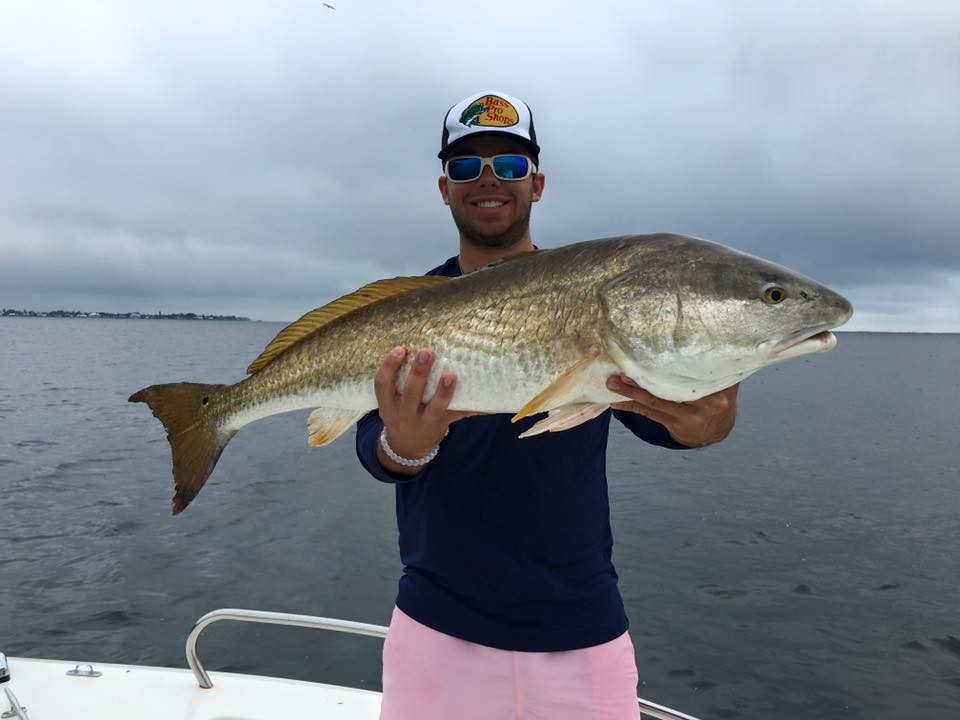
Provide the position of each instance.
(413, 428)
(368, 451)
(693, 424)
(647, 430)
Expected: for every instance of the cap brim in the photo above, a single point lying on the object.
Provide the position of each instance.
(532, 147)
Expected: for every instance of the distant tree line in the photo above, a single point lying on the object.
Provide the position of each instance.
(9, 312)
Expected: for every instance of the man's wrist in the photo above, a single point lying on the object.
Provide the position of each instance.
(395, 468)
(418, 460)
(401, 463)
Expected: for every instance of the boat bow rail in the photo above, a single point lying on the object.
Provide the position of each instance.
(647, 708)
(270, 618)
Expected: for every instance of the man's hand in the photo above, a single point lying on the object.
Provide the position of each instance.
(413, 428)
(696, 423)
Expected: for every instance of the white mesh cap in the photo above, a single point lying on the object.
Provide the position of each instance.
(489, 113)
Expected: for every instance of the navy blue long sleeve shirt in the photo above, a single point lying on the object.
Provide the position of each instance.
(506, 542)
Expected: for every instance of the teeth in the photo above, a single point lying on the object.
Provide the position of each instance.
(491, 203)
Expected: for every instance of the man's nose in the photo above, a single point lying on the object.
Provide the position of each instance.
(487, 177)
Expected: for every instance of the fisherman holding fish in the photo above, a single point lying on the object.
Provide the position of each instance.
(496, 439)
(508, 605)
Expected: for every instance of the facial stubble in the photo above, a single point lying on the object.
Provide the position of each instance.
(507, 239)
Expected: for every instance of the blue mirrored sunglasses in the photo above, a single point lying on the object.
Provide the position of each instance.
(467, 168)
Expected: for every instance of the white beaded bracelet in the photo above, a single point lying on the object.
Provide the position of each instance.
(407, 462)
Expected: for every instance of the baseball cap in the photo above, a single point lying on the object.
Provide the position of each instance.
(489, 113)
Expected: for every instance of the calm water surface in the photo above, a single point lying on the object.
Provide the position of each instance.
(808, 567)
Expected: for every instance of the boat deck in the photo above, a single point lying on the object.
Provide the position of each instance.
(36, 689)
(155, 693)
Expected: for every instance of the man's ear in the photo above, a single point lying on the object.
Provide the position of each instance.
(539, 180)
(442, 184)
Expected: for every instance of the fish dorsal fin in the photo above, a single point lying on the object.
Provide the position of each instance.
(508, 258)
(342, 306)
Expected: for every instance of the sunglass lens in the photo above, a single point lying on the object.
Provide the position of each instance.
(510, 167)
(465, 168)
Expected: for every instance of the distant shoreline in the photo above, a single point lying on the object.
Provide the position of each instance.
(117, 316)
(197, 316)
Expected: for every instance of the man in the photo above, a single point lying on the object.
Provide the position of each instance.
(508, 606)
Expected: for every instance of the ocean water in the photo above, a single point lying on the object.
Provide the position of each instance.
(807, 567)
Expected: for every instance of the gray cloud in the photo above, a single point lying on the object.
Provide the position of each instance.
(260, 160)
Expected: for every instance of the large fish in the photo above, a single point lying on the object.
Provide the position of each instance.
(537, 333)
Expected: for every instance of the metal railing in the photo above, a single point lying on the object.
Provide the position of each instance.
(346, 626)
(661, 711)
(16, 709)
(271, 618)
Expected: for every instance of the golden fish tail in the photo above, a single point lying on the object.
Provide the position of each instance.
(194, 431)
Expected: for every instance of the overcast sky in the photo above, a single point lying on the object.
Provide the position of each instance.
(261, 158)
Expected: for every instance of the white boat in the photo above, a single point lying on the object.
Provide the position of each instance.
(35, 689)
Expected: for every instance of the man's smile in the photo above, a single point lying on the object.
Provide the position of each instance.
(489, 202)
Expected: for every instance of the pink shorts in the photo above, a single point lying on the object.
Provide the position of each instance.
(431, 676)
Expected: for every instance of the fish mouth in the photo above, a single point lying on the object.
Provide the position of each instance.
(804, 342)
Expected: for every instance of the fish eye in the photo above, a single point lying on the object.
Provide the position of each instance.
(773, 294)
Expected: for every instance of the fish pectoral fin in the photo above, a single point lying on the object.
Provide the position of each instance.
(566, 417)
(561, 391)
(327, 424)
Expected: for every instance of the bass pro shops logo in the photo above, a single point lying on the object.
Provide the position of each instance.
(490, 111)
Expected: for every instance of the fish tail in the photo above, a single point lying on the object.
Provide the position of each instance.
(194, 430)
